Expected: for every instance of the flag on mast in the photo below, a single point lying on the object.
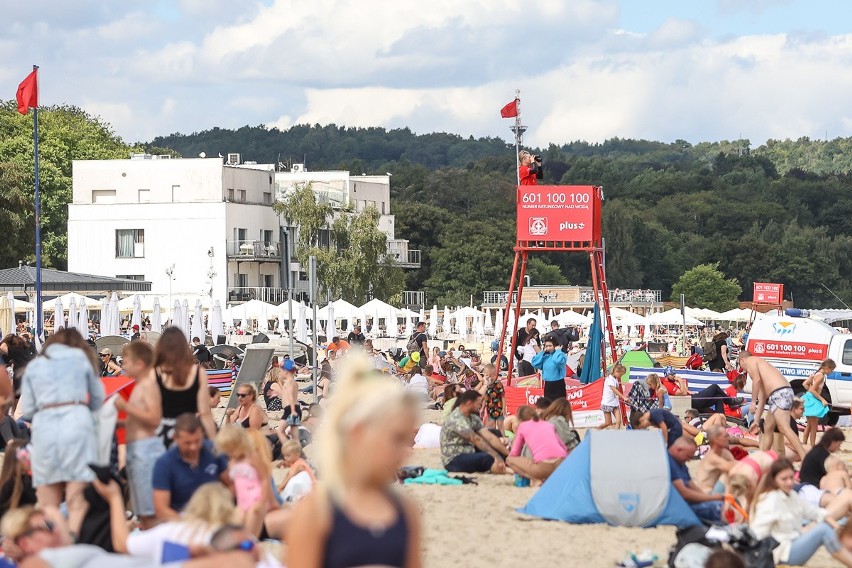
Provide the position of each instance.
(28, 93)
(510, 110)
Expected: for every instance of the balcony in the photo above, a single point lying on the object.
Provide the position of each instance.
(254, 251)
(406, 258)
(269, 295)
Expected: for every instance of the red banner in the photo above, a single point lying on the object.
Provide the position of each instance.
(557, 212)
(585, 401)
(787, 349)
(768, 293)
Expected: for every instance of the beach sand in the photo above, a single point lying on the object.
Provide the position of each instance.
(476, 526)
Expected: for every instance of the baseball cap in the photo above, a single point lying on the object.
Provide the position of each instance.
(135, 328)
(288, 365)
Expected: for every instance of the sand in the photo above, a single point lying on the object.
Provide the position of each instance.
(475, 526)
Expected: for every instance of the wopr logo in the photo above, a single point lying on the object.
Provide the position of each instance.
(538, 226)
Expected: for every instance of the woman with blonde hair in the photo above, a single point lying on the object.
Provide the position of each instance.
(247, 413)
(353, 517)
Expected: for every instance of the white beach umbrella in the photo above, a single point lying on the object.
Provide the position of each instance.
(217, 328)
(330, 327)
(177, 318)
(408, 328)
(58, 316)
(433, 322)
(302, 324)
(136, 318)
(198, 322)
(72, 313)
(184, 317)
(498, 323)
(104, 323)
(156, 322)
(83, 320)
(422, 316)
(446, 325)
(488, 323)
(114, 316)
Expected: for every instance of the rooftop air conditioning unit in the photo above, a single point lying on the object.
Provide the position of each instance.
(297, 168)
(233, 159)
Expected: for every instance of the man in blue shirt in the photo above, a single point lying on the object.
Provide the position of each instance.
(659, 418)
(188, 465)
(708, 507)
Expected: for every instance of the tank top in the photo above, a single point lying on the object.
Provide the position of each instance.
(176, 402)
(350, 545)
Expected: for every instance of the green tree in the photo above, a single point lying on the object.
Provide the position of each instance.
(542, 273)
(66, 133)
(356, 263)
(706, 287)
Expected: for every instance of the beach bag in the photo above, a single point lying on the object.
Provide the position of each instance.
(813, 406)
(639, 397)
(412, 346)
(709, 348)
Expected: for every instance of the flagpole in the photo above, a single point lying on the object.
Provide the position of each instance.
(39, 318)
(518, 134)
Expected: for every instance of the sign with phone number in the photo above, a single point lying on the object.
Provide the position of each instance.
(556, 212)
(765, 293)
(787, 349)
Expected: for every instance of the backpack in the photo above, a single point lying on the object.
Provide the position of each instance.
(412, 345)
(639, 397)
(709, 351)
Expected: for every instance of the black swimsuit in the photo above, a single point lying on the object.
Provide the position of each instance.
(350, 545)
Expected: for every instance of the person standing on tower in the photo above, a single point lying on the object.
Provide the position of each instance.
(530, 170)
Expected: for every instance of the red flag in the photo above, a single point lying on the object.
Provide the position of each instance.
(508, 111)
(28, 93)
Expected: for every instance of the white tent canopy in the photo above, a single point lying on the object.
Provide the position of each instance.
(376, 309)
(343, 310)
(671, 317)
(146, 301)
(570, 317)
(65, 299)
(622, 317)
(739, 315)
(254, 310)
(703, 314)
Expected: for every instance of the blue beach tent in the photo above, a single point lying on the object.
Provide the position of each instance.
(616, 477)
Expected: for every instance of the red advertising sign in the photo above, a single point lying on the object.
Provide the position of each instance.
(557, 212)
(768, 293)
(586, 398)
(787, 349)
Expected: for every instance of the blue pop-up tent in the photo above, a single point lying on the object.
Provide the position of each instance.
(616, 477)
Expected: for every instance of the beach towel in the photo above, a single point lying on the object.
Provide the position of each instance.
(433, 477)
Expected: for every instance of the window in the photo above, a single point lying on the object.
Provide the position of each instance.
(383, 207)
(139, 277)
(242, 234)
(129, 243)
(144, 196)
(847, 352)
(242, 196)
(267, 198)
(241, 280)
(268, 281)
(175, 192)
(103, 196)
(266, 237)
(230, 195)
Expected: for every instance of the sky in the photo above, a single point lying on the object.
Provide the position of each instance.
(587, 69)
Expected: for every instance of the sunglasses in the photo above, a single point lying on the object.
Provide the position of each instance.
(45, 526)
(242, 394)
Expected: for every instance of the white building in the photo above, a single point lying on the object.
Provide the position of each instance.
(213, 222)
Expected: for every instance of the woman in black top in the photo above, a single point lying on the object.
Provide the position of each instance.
(721, 362)
(813, 466)
(183, 383)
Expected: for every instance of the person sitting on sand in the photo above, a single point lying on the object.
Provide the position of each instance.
(660, 418)
(541, 438)
(814, 471)
(559, 414)
(291, 487)
(674, 385)
(466, 445)
(717, 462)
(708, 507)
(451, 394)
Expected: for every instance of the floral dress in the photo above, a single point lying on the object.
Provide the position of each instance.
(494, 400)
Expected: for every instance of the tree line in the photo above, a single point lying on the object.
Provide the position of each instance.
(780, 212)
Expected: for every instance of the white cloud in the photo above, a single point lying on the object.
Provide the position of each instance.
(444, 65)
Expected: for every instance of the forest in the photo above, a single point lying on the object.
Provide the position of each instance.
(778, 212)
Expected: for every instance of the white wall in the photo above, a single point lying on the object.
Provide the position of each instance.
(197, 179)
(179, 234)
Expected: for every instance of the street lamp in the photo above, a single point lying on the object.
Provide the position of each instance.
(170, 272)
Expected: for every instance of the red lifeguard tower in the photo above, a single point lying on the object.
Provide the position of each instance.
(557, 218)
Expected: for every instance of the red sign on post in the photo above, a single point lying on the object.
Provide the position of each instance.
(557, 212)
(768, 293)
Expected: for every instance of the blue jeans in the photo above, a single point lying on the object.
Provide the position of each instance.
(477, 462)
(708, 511)
(808, 543)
